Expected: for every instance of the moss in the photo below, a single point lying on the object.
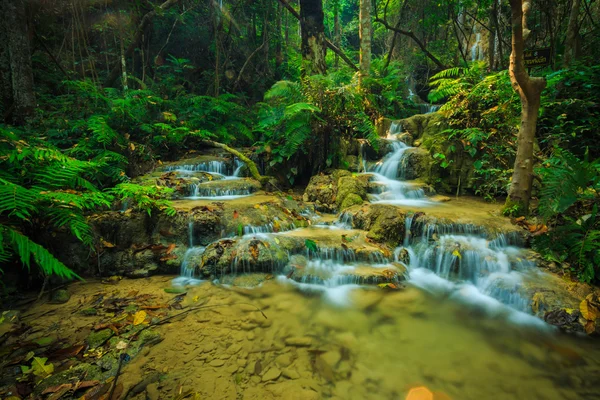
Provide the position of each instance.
(349, 185)
(84, 371)
(97, 339)
(351, 200)
(60, 296)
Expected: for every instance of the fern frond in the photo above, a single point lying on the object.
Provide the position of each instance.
(15, 200)
(29, 251)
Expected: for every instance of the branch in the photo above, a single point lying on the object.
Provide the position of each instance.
(146, 20)
(249, 163)
(330, 45)
(411, 35)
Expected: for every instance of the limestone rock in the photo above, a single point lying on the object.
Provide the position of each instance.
(299, 341)
(271, 374)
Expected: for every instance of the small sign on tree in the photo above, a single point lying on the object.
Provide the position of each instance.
(537, 57)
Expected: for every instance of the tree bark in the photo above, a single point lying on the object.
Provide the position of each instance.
(313, 47)
(330, 45)
(365, 32)
(19, 53)
(5, 78)
(337, 31)
(572, 34)
(529, 90)
(146, 20)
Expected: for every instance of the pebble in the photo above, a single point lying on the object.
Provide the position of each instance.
(271, 374)
(303, 341)
(283, 360)
(290, 373)
(152, 392)
(234, 348)
(217, 363)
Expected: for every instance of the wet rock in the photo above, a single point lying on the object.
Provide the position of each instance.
(97, 339)
(271, 374)
(145, 272)
(217, 363)
(284, 360)
(60, 296)
(417, 163)
(141, 386)
(322, 189)
(385, 223)
(351, 191)
(152, 392)
(299, 341)
(290, 373)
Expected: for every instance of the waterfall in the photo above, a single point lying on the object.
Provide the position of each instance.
(389, 172)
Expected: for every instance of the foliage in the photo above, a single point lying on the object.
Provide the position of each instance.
(569, 199)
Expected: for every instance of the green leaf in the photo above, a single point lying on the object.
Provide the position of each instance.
(311, 245)
(40, 368)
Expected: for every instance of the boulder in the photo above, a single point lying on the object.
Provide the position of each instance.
(352, 189)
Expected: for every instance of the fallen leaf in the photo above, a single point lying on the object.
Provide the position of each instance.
(419, 393)
(40, 368)
(588, 311)
(53, 389)
(170, 248)
(139, 317)
(122, 345)
(590, 327)
(131, 146)
(235, 214)
(456, 253)
(106, 244)
(168, 257)
(254, 252)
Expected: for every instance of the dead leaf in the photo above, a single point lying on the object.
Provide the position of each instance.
(170, 248)
(588, 310)
(168, 257)
(254, 252)
(139, 317)
(106, 244)
(131, 146)
(419, 393)
(54, 389)
(590, 327)
(66, 353)
(235, 214)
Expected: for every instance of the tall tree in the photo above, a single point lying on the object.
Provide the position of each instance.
(365, 32)
(16, 51)
(572, 34)
(529, 90)
(313, 37)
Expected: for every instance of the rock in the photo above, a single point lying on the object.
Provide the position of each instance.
(350, 185)
(331, 358)
(97, 339)
(152, 392)
(60, 296)
(417, 163)
(142, 272)
(217, 363)
(89, 311)
(290, 373)
(322, 189)
(299, 341)
(351, 200)
(385, 223)
(271, 374)
(284, 360)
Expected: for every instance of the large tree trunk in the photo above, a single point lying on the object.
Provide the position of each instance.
(313, 38)
(365, 32)
(5, 78)
(572, 34)
(529, 90)
(19, 54)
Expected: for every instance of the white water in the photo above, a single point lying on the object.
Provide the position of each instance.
(389, 172)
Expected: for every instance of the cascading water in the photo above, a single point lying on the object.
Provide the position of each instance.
(462, 263)
(389, 172)
(190, 261)
(198, 191)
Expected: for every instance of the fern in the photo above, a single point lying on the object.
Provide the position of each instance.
(27, 251)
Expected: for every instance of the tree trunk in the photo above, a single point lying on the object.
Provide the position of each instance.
(572, 34)
(278, 43)
(19, 53)
(337, 31)
(313, 38)
(5, 78)
(365, 32)
(249, 163)
(529, 90)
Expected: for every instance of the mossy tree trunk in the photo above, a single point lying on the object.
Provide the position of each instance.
(249, 163)
(529, 90)
(314, 47)
(572, 34)
(365, 33)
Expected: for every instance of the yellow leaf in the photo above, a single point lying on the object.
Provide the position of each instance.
(196, 298)
(139, 317)
(588, 311)
(456, 253)
(590, 327)
(131, 146)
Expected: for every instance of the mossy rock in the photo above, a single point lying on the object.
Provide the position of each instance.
(349, 185)
(60, 296)
(97, 339)
(322, 189)
(417, 163)
(385, 223)
(351, 200)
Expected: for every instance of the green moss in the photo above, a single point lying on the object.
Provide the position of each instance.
(97, 339)
(351, 200)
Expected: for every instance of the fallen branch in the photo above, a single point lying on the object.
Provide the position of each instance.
(249, 163)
